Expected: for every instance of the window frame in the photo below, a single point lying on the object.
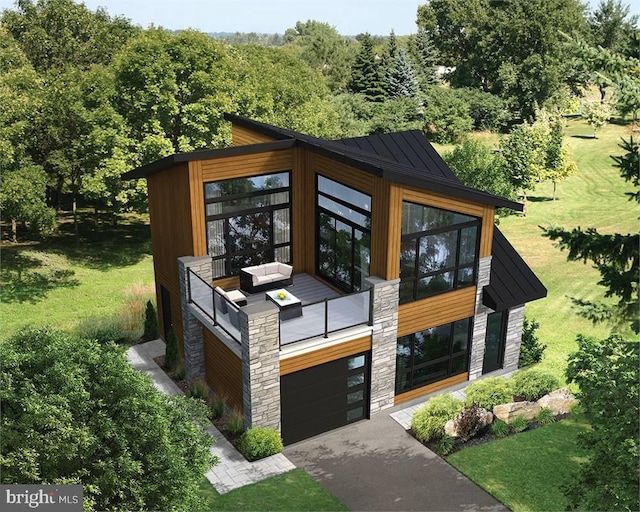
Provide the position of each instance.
(413, 240)
(269, 249)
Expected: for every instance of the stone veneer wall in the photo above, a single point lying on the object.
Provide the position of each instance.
(384, 342)
(260, 323)
(479, 321)
(514, 337)
(193, 342)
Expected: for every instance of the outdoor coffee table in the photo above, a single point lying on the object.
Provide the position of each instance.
(290, 305)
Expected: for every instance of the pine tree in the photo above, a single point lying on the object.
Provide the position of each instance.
(426, 56)
(401, 78)
(365, 72)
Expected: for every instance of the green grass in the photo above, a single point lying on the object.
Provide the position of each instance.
(594, 197)
(525, 471)
(59, 282)
(294, 490)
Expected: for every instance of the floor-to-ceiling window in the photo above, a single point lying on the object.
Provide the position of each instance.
(495, 341)
(343, 235)
(248, 221)
(431, 355)
(438, 253)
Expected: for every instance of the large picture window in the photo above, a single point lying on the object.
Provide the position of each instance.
(248, 222)
(343, 234)
(433, 354)
(438, 253)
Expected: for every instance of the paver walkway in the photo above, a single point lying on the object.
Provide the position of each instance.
(234, 470)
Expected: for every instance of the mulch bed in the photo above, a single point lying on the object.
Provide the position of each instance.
(483, 436)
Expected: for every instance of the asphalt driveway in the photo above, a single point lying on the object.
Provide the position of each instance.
(375, 465)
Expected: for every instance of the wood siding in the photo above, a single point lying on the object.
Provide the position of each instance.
(246, 165)
(243, 136)
(324, 355)
(431, 388)
(171, 233)
(438, 310)
(223, 369)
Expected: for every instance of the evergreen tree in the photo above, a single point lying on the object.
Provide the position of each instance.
(401, 78)
(426, 57)
(365, 73)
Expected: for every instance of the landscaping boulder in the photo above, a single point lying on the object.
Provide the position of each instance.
(486, 418)
(559, 401)
(506, 412)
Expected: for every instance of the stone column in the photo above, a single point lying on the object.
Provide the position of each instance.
(514, 338)
(479, 321)
(192, 340)
(384, 341)
(260, 334)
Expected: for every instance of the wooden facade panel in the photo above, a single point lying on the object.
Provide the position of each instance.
(223, 369)
(243, 136)
(303, 214)
(197, 208)
(395, 232)
(246, 165)
(436, 386)
(444, 202)
(324, 355)
(381, 235)
(171, 233)
(486, 239)
(441, 309)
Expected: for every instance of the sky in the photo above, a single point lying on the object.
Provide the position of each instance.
(349, 17)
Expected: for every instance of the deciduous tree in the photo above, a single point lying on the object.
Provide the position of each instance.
(76, 412)
(607, 375)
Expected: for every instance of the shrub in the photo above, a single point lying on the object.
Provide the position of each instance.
(428, 421)
(489, 392)
(468, 422)
(234, 423)
(259, 442)
(199, 389)
(533, 383)
(447, 116)
(180, 371)
(445, 445)
(531, 349)
(150, 322)
(172, 354)
(500, 428)
(488, 111)
(103, 329)
(218, 406)
(132, 312)
(519, 424)
(545, 416)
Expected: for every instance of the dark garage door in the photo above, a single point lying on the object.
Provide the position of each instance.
(324, 397)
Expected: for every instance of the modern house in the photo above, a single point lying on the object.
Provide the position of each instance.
(399, 283)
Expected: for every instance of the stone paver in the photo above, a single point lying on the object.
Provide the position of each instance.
(234, 470)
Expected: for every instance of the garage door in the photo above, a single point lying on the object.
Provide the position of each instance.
(324, 397)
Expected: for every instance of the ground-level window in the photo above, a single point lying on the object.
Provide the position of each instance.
(431, 355)
(494, 342)
(343, 237)
(439, 250)
(248, 221)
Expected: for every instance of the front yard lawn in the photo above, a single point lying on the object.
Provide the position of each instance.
(295, 490)
(525, 471)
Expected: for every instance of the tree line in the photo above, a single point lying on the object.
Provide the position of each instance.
(87, 96)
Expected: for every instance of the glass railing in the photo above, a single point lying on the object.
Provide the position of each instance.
(320, 319)
(218, 309)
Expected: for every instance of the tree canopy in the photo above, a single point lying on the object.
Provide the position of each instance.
(76, 412)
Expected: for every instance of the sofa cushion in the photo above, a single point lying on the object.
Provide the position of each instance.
(271, 268)
(258, 280)
(285, 269)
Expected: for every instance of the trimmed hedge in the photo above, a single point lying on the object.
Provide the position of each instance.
(428, 421)
(489, 392)
(259, 442)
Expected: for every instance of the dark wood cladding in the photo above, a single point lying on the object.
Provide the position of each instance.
(324, 355)
(436, 386)
(243, 136)
(223, 369)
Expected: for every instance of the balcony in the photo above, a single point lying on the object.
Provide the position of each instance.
(324, 311)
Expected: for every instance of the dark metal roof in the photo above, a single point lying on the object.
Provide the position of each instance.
(416, 163)
(204, 154)
(512, 282)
